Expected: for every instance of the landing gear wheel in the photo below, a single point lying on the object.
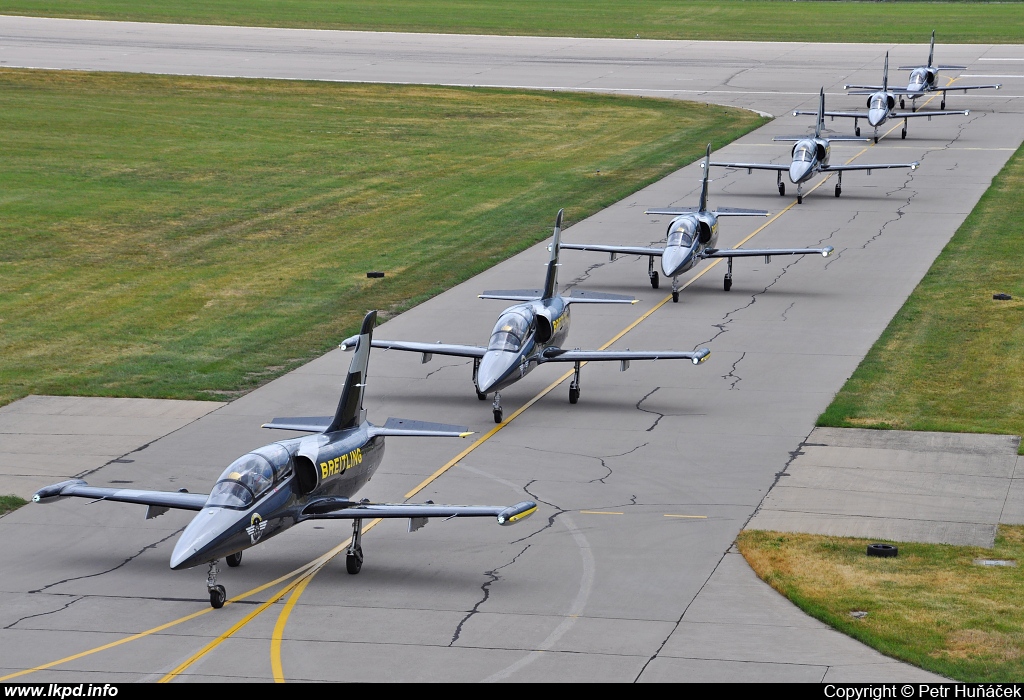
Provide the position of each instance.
(856, 132)
(675, 296)
(574, 394)
(481, 397)
(354, 561)
(903, 105)
(799, 199)
(654, 280)
(942, 105)
(839, 190)
(234, 560)
(782, 189)
(497, 415)
(728, 282)
(217, 597)
(903, 134)
(876, 139)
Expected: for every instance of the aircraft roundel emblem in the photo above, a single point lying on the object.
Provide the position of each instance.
(256, 527)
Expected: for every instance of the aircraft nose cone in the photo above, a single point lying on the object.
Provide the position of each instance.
(674, 260)
(799, 171)
(198, 538)
(876, 116)
(493, 367)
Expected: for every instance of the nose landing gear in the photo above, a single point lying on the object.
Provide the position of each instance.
(675, 289)
(218, 594)
(496, 408)
(799, 193)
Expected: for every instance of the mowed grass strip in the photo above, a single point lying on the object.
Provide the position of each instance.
(193, 238)
(733, 20)
(931, 606)
(952, 359)
(11, 502)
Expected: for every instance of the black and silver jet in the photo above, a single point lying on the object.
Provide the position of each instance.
(531, 333)
(923, 80)
(692, 237)
(810, 156)
(268, 490)
(881, 105)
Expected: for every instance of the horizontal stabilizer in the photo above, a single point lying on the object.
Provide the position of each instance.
(513, 294)
(733, 211)
(793, 139)
(309, 424)
(343, 509)
(155, 499)
(582, 296)
(399, 427)
(671, 211)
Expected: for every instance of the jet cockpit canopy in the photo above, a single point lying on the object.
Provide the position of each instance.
(804, 151)
(681, 232)
(249, 477)
(509, 332)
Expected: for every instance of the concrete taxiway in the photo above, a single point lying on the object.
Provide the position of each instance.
(626, 572)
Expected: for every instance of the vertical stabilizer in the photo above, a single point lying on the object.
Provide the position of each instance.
(931, 50)
(704, 186)
(350, 407)
(885, 74)
(551, 281)
(821, 114)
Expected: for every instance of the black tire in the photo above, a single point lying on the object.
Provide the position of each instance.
(876, 139)
(882, 550)
(782, 189)
(354, 562)
(654, 280)
(903, 105)
(903, 134)
(839, 190)
(799, 199)
(942, 105)
(856, 132)
(574, 394)
(217, 597)
(481, 397)
(675, 296)
(497, 415)
(727, 284)
(234, 560)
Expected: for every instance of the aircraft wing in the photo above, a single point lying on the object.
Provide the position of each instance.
(766, 252)
(559, 355)
(937, 113)
(430, 348)
(870, 167)
(849, 115)
(614, 249)
(158, 501)
(752, 166)
(344, 509)
(400, 427)
(965, 88)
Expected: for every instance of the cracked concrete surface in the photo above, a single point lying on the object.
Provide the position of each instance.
(626, 572)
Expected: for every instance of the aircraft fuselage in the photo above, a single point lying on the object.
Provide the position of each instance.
(263, 492)
(688, 236)
(518, 340)
(809, 155)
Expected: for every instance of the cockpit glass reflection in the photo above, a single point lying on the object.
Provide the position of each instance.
(681, 233)
(509, 333)
(242, 483)
(803, 153)
(877, 102)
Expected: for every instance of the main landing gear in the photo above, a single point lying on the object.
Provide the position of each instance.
(728, 275)
(904, 134)
(574, 385)
(781, 184)
(476, 368)
(856, 128)
(354, 557)
(651, 272)
(218, 595)
(942, 105)
(496, 408)
(839, 185)
(234, 560)
(903, 104)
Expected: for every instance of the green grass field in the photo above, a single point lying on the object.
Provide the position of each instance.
(739, 20)
(931, 606)
(193, 238)
(952, 359)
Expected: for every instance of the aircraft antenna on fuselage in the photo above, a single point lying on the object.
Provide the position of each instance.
(704, 187)
(350, 407)
(551, 280)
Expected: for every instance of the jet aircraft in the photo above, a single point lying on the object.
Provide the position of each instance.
(881, 105)
(531, 333)
(265, 492)
(810, 157)
(692, 236)
(923, 79)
